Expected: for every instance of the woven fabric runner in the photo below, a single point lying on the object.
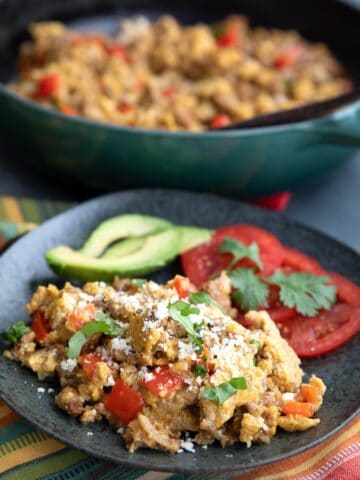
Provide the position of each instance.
(27, 454)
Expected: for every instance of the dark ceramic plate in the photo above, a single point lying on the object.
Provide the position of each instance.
(22, 268)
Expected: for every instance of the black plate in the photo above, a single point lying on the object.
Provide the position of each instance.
(22, 268)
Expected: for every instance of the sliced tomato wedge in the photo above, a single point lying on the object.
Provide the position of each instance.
(124, 402)
(164, 381)
(313, 336)
(40, 326)
(346, 290)
(280, 314)
(277, 201)
(88, 363)
(298, 261)
(203, 261)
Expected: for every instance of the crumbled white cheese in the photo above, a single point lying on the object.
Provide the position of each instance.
(204, 447)
(199, 380)
(50, 390)
(89, 434)
(110, 381)
(186, 350)
(123, 344)
(41, 390)
(69, 364)
(187, 445)
(120, 431)
(145, 375)
(288, 396)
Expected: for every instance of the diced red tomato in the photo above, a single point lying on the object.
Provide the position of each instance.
(40, 326)
(124, 402)
(117, 50)
(202, 262)
(181, 286)
(312, 336)
(125, 107)
(88, 363)
(169, 92)
(164, 381)
(48, 85)
(300, 262)
(292, 407)
(220, 120)
(346, 290)
(69, 110)
(309, 393)
(289, 57)
(81, 316)
(229, 38)
(278, 201)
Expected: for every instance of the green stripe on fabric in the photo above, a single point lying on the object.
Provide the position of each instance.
(79, 471)
(21, 441)
(45, 466)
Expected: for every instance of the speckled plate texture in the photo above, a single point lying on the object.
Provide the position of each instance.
(22, 268)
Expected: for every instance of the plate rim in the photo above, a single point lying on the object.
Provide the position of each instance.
(144, 463)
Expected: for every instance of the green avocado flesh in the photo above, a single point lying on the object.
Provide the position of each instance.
(156, 251)
(192, 237)
(124, 247)
(128, 225)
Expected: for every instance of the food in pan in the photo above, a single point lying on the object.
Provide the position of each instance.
(164, 75)
(166, 365)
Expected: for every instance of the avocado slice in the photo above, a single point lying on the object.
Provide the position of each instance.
(192, 237)
(124, 247)
(189, 237)
(156, 251)
(122, 226)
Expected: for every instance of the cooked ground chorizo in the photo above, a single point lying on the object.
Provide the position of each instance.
(165, 75)
(167, 372)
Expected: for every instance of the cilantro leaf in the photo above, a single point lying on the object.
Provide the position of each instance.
(180, 311)
(199, 370)
(102, 324)
(15, 332)
(306, 292)
(204, 297)
(225, 390)
(250, 292)
(239, 251)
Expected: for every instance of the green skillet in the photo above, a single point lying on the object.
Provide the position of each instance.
(253, 161)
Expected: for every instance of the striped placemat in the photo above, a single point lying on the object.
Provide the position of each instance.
(27, 454)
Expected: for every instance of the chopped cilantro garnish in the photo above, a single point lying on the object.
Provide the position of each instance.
(102, 324)
(204, 297)
(306, 292)
(199, 370)
(15, 332)
(180, 312)
(225, 390)
(240, 251)
(256, 342)
(250, 292)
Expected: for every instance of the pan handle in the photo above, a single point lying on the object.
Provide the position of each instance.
(342, 128)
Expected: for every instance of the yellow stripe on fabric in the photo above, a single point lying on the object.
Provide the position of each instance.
(155, 476)
(307, 460)
(12, 209)
(28, 453)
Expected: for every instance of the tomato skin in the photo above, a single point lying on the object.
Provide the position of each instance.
(308, 393)
(164, 381)
(298, 261)
(180, 285)
(201, 262)
(288, 57)
(281, 314)
(124, 402)
(292, 407)
(88, 363)
(347, 291)
(229, 38)
(313, 336)
(40, 326)
(220, 120)
(48, 85)
(277, 202)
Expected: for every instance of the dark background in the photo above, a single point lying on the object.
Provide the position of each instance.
(331, 204)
